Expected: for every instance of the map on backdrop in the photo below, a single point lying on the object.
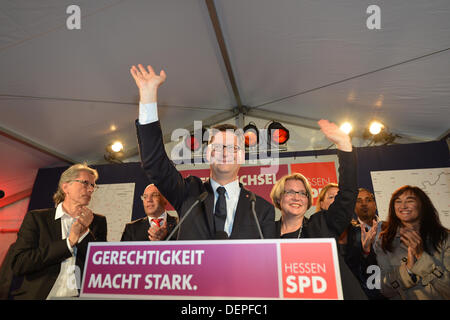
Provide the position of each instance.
(115, 202)
(434, 182)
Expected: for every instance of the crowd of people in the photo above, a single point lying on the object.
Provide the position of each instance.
(410, 249)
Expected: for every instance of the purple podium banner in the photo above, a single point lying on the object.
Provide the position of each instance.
(182, 269)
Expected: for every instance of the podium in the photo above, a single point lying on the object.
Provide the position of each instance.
(218, 269)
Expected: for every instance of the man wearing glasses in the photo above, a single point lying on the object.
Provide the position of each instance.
(226, 212)
(156, 225)
(51, 245)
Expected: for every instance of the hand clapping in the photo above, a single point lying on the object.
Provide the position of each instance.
(367, 237)
(411, 238)
(156, 233)
(85, 218)
(80, 225)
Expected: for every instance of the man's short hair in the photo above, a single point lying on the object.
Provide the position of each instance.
(364, 189)
(71, 174)
(224, 127)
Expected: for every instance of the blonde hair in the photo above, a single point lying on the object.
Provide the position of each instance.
(70, 174)
(322, 194)
(278, 188)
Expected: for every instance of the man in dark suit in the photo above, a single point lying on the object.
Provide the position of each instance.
(51, 245)
(361, 233)
(226, 212)
(157, 225)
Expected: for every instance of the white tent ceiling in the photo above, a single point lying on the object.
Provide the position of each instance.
(64, 90)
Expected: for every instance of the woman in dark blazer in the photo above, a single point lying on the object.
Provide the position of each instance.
(293, 196)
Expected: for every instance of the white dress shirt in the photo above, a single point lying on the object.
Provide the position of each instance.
(163, 216)
(65, 284)
(148, 113)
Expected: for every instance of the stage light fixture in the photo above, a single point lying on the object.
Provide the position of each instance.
(114, 152)
(251, 135)
(377, 133)
(193, 142)
(375, 127)
(346, 127)
(278, 134)
(117, 146)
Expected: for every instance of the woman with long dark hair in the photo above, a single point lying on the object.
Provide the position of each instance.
(412, 249)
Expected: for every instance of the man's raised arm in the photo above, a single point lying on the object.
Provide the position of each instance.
(148, 83)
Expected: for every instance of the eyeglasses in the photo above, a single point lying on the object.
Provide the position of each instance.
(230, 148)
(87, 184)
(292, 193)
(153, 195)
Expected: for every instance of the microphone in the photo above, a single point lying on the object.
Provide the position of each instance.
(200, 198)
(253, 201)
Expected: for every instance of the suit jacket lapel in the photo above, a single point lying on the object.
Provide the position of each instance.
(142, 234)
(209, 207)
(171, 221)
(145, 224)
(54, 226)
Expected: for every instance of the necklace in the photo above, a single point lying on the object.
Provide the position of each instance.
(300, 231)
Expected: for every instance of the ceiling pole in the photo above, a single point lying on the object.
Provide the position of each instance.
(223, 50)
(15, 198)
(240, 120)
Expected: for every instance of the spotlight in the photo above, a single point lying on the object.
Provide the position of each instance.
(375, 127)
(278, 134)
(117, 146)
(378, 133)
(114, 152)
(251, 135)
(346, 127)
